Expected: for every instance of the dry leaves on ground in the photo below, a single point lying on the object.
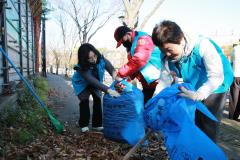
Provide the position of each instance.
(91, 145)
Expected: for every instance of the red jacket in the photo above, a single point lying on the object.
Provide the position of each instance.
(140, 58)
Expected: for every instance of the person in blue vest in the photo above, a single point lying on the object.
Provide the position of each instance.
(201, 63)
(88, 80)
(143, 59)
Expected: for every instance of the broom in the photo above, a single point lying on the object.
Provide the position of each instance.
(55, 122)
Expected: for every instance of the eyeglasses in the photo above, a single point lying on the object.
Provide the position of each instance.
(92, 57)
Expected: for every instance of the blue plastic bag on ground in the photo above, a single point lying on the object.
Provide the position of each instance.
(174, 117)
(123, 116)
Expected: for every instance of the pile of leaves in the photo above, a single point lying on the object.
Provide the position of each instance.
(91, 145)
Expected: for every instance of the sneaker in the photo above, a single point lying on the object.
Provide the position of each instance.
(84, 129)
(97, 128)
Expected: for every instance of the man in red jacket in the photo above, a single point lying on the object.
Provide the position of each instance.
(143, 59)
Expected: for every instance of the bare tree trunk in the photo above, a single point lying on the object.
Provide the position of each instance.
(37, 29)
(84, 32)
(57, 58)
(71, 52)
(63, 30)
(57, 69)
(151, 13)
(132, 8)
(58, 62)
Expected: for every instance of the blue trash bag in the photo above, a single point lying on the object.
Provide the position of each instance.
(174, 117)
(123, 116)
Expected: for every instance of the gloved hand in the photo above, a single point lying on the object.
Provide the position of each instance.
(116, 77)
(190, 94)
(113, 93)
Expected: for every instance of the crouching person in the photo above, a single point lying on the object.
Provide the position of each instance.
(201, 63)
(87, 80)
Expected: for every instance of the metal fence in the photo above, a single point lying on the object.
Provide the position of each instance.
(17, 40)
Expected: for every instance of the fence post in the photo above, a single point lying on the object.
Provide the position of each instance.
(3, 41)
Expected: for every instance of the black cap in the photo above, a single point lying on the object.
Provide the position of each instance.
(119, 33)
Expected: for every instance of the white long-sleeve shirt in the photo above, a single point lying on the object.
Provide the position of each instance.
(213, 65)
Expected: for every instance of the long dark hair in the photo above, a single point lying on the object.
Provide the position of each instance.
(167, 32)
(83, 54)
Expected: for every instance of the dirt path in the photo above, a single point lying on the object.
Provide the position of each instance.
(229, 138)
(64, 103)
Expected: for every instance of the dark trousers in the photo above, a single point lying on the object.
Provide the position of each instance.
(148, 93)
(215, 104)
(85, 110)
(234, 103)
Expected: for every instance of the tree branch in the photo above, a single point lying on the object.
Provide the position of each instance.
(99, 27)
(151, 13)
(137, 8)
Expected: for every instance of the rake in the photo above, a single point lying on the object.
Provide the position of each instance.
(58, 126)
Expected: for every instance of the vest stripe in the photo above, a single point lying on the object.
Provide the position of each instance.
(151, 71)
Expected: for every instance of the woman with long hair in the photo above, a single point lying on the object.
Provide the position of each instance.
(88, 80)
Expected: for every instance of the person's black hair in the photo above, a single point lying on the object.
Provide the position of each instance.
(83, 55)
(167, 32)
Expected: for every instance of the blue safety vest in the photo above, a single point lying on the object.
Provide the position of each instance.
(193, 71)
(79, 83)
(151, 71)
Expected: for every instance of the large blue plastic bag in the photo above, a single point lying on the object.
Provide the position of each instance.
(123, 116)
(174, 117)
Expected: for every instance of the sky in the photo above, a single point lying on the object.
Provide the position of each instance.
(218, 19)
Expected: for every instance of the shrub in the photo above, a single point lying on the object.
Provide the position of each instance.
(22, 124)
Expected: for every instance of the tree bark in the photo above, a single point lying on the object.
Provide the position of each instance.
(151, 13)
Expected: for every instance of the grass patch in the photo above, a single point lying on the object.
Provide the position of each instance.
(23, 136)
(28, 120)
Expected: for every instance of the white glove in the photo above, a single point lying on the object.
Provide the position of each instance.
(195, 96)
(113, 93)
(116, 77)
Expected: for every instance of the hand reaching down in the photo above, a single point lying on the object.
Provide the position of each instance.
(195, 96)
(113, 93)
